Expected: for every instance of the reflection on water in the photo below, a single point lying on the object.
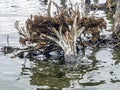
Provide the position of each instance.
(99, 68)
(95, 72)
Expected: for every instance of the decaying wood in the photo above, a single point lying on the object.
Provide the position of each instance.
(63, 29)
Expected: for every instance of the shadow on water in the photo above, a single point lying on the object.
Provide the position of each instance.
(98, 70)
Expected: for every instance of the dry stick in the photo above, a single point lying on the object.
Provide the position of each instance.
(21, 31)
(111, 5)
(49, 37)
(8, 40)
(71, 4)
(24, 32)
(94, 12)
(118, 49)
(58, 7)
(49, 9)
(75, 28)
(71, 7)
(116, 44)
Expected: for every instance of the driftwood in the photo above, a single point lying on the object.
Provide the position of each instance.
(62, 30)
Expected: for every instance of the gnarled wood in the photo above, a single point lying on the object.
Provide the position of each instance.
(62, 29)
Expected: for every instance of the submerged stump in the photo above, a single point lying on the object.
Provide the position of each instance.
(64, 29)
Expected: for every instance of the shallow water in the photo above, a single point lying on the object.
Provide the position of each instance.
(100, 70)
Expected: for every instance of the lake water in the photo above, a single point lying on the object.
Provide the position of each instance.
(100, 70)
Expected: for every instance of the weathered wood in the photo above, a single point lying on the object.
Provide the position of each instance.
(62, 29)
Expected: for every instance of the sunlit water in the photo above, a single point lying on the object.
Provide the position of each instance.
(100, 70)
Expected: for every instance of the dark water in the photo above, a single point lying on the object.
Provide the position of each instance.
(100, 70)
